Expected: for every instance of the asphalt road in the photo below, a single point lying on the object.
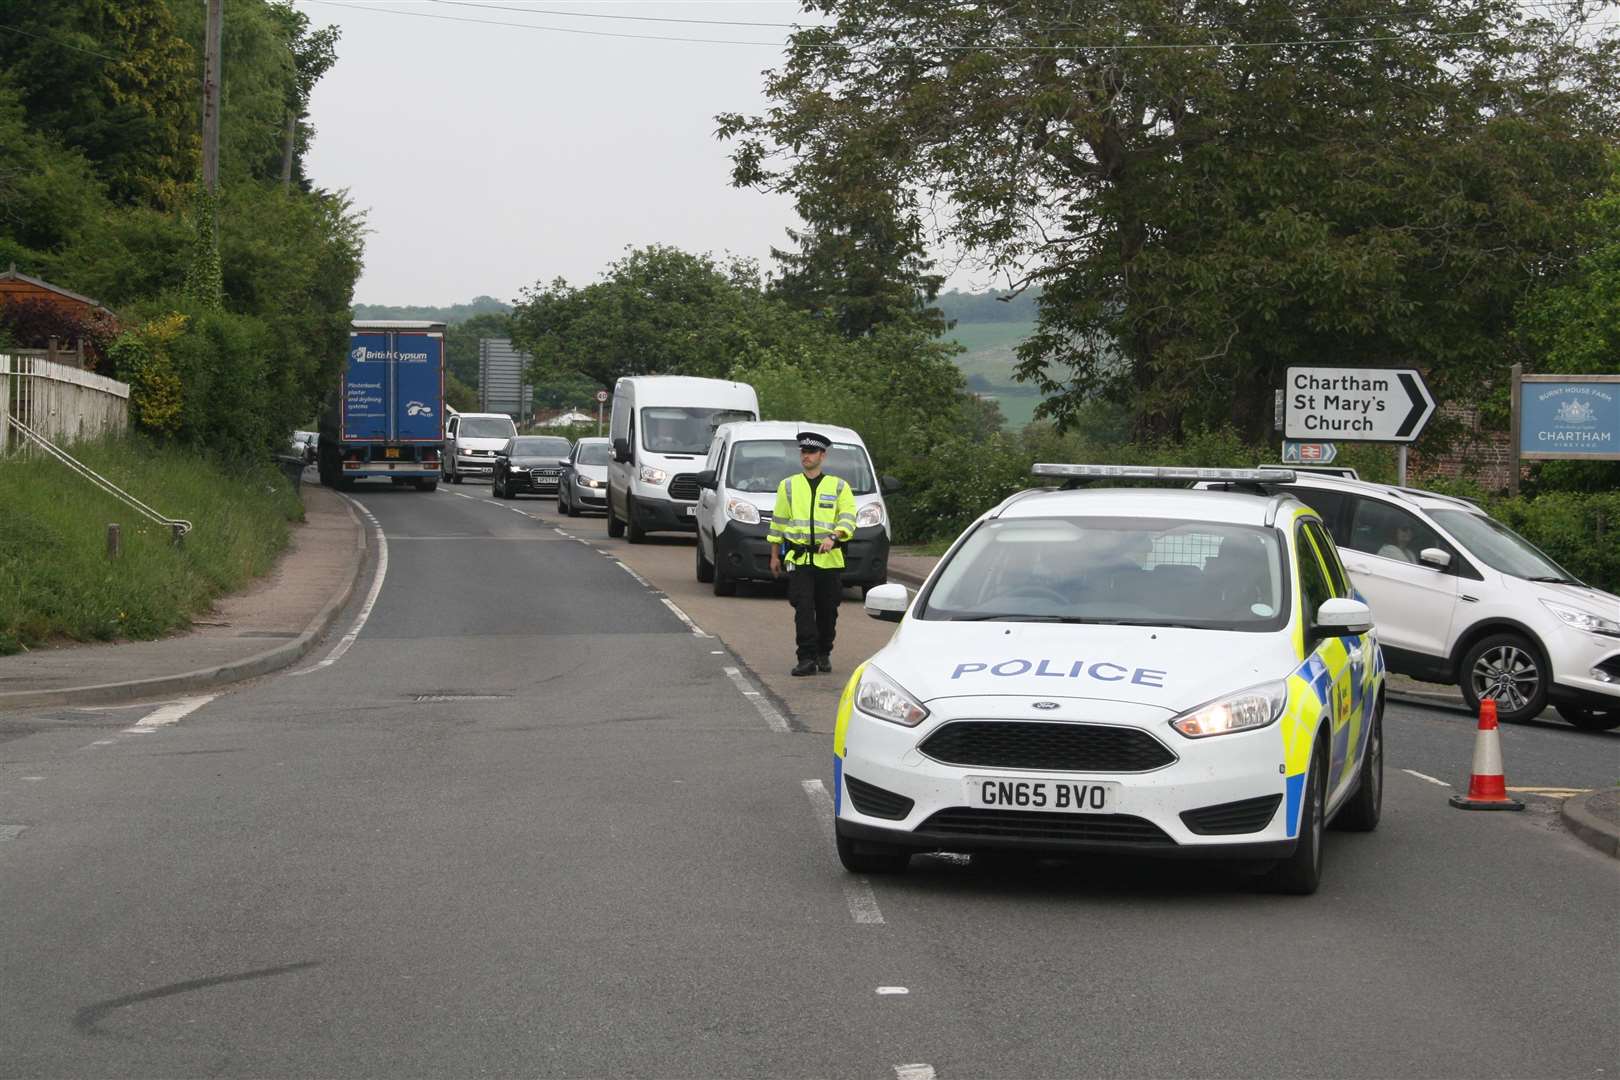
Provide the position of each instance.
(533, 821)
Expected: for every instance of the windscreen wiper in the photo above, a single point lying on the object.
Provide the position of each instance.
(1555, 580)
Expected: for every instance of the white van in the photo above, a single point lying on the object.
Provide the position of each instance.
(662, 427)
(471, 441)
(746, 462)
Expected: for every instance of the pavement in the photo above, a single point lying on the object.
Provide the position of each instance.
(278, 620)
(262, 629)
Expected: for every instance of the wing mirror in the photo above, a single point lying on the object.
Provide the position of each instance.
(888, 602)
(1437, 558)
(1341, 616)
(706, 480)
(621, 449)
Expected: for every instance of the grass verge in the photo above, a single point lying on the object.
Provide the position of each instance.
(55, 578)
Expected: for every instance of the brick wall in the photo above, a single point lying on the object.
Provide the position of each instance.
(1484, 456)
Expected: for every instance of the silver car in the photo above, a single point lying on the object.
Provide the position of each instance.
(583, 484)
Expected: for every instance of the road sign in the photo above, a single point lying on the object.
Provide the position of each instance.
(1356, 404)
(601, 396)
(1308, 453)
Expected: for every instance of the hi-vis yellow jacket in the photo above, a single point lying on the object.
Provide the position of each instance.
(800, 527)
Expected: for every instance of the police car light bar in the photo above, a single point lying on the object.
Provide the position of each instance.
(1161, 472)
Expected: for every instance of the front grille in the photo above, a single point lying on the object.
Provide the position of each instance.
(1243, 816)
(1029, 825)
(873, 801)
(1028, 744)
(684, 486)
(543, 476)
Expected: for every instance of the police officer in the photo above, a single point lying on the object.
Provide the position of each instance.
(813, 520)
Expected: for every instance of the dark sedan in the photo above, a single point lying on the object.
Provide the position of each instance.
(530, 464)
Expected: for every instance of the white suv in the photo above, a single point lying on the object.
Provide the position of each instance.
(1461, 598)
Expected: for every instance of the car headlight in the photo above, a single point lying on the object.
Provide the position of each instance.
(586, 482)
(870, 514)
(1244, 711)
(742, 510)
(882, 697)
(650, 475)
(1583, 620)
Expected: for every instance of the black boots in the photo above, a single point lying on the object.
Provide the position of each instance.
(823, 663)
(805, 667)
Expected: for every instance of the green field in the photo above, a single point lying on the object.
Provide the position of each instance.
(990, 355)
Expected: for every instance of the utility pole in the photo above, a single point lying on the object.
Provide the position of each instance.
(211, 80)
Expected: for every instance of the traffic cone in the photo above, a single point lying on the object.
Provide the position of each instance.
(1487, 786)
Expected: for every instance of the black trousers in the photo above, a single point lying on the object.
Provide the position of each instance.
(815, 594)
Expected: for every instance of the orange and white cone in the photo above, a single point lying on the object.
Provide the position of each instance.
(1487, 785)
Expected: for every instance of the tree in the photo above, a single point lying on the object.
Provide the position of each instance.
(461, 343)
(115, 80)
(658, 310)
(313, 53)
(1207, 191)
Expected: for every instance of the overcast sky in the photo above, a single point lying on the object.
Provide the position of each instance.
(490, 157)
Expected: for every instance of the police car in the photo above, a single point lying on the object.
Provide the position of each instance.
(1155, 671)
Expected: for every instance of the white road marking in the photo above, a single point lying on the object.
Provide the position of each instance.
(913, 1072)
(11, 832)
(32, 778)
(1425, 776)
(863, 906)
(626, 568)
(685, 618)
(892, 991)
(172, 713)
(773, 719)
(105, 742)
(371, 598)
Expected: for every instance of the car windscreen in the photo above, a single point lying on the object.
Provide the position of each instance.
(674, 429)
(540, 446)
(758, 465)
(1129, 571)
(486, 427)
(1498, 546)
(594, 454)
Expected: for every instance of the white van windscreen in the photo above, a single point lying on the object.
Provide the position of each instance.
(758, 465)
(487, 427)
(671, 429)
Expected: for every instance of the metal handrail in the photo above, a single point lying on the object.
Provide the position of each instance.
(179, 525)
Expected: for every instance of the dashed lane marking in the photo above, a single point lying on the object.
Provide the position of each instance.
(1425, 776)
(773, 719)
(914, 1072)
(858, 895)
(892, 991)
(685, 618)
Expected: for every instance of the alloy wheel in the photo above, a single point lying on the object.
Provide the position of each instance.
(1506, 674)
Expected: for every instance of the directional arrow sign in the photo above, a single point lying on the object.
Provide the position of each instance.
(1356, 404)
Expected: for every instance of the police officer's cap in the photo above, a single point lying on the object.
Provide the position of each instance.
(812, 440)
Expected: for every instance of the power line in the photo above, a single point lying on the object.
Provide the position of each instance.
(57, 41)
(990, 47)
(603, 15)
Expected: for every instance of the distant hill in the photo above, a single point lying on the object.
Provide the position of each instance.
(455, 313)
(988, 307)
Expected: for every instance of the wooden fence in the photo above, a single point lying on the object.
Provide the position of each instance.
(58, 402)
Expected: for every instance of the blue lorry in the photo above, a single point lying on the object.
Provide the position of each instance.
(386, 420)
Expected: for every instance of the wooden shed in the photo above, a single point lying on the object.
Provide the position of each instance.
(17, 287)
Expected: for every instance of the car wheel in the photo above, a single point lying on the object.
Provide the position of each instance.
(724, 584)
(635, 533)
(1509, 670)
(427, 485)
(1301, 872)
(1588, 718)
(705, 568)
(572, 510)
(864, 858)
(495, 487)
(615, 526)
(1361, 813)
(455, 478)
